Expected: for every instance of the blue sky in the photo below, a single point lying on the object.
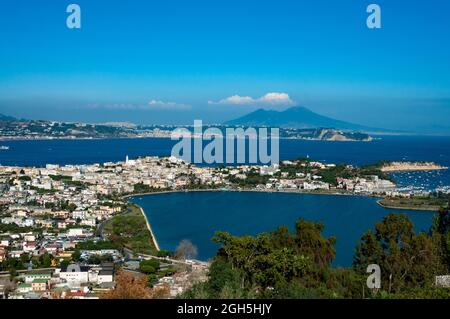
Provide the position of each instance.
(163, 61)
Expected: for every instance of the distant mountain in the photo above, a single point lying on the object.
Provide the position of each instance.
(296, 117)
(7, 118)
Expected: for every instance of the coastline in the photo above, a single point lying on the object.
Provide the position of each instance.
(50, 138)
(149, 227)
(126, 197)
(141, 210)
(434, 210)
(247, 191)
(68, 138)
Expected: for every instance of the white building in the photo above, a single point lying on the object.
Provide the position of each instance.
(75, 275)
(74, 232)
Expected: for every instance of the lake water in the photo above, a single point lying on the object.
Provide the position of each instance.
(411, 148)
(196, 216)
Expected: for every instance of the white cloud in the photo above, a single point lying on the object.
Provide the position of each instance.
(167, 105)
(276, 99)
(235, 100)
(273, 99)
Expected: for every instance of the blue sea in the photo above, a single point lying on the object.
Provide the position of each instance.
(409, 148)
(196, 216)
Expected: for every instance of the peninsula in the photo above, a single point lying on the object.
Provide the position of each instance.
(392, 167)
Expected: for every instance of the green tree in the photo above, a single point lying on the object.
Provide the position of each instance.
(94, 260)
(152, 279)
(45, 260)
(309, 241)
(64, 263)
(164, 253)
(284, 264)
(76, 255)
(150, 266)
(277, 258)
(13, 273)
(368, 252)
(406, 260)
(221, 274)
(25, 258)
(440, 231)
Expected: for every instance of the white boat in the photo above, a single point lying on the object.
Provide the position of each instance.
(4, 148)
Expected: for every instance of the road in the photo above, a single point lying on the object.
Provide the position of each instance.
(6, 273)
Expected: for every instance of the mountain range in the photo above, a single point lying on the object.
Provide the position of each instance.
(297, 117)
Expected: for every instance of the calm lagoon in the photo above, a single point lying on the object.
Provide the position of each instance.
(197, 215)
